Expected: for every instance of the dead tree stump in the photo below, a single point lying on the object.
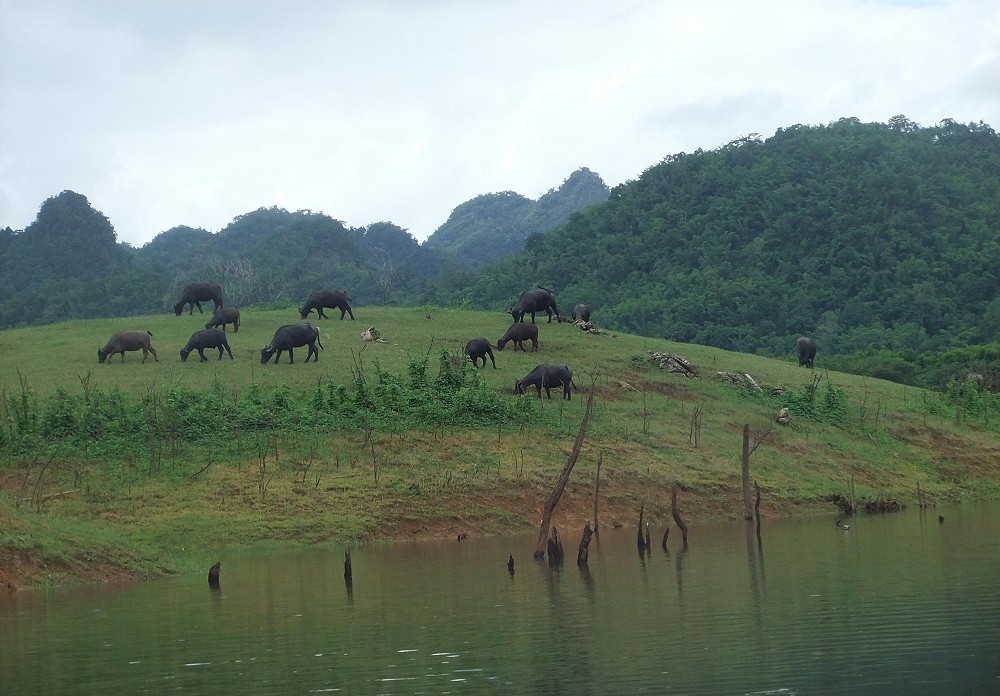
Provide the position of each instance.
(557, 491)
(213, 575)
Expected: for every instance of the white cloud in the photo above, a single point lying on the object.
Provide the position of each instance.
(193, 113)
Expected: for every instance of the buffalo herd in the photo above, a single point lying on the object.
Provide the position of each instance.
(290, 336)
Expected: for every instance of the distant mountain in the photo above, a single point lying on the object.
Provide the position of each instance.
(495, 225)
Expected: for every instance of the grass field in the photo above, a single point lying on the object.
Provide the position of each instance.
(177, 498)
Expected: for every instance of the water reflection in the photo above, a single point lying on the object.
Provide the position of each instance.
(896, 604)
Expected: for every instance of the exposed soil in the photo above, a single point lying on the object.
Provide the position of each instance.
(516, 507)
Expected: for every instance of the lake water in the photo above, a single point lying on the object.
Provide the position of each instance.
(898, 604)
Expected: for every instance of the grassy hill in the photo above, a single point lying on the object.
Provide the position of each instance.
(136, 469)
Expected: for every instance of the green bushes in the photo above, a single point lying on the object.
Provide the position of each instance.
(99, 420)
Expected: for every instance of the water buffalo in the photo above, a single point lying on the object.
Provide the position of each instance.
(806, 348)
(480, 348)
(581, 312)
(518, 333)
(196, 293)
(206, 338)
(127, 340)
(223, 316)
(292, 336)
(327, 298)
(537, 300)
(546, 377)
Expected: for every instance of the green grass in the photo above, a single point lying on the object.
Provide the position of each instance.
(176, 495)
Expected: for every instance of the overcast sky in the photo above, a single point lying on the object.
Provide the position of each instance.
(191, 112)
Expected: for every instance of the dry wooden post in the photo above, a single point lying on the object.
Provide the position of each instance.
(557, 491)
(747, 512)
(582, 553)
(597, 488)
(677, 516)
(510, 564)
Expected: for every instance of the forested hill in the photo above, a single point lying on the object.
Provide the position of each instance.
(865, 236)
(68, 265)
(496, 224)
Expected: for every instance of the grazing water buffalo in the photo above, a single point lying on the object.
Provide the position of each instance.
(537, 300)
(127, 340)
(223, 316)
(292, 336)
(196, 293)
(327, 298)
(206, 338)
(518, 333)
(806, 348)
(480, 348)
(546, 377)
(581, 312)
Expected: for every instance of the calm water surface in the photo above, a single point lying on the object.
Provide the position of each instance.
(899, 604)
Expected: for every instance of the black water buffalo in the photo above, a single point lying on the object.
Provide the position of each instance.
(518, 333)
(538, 300)
(581, 312)
(206, 338)
(480, 348)
(196, 293)
(292, 336)
(127, 340)
(546, 377)
(327, 298)
(806, 348)
(223, 316)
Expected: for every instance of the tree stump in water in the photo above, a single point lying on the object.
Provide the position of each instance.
(213, 575)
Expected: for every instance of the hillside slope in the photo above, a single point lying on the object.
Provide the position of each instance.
(391, 439)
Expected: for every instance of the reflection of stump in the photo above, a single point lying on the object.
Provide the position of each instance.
(581, 555)
(666, 534)
(640, 541)
(213, 574)
(555, 547)
(677, 516)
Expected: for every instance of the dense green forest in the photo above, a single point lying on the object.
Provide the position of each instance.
(880, 240)
(869, 237)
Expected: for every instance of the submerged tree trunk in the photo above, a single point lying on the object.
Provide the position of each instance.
(557, 491)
